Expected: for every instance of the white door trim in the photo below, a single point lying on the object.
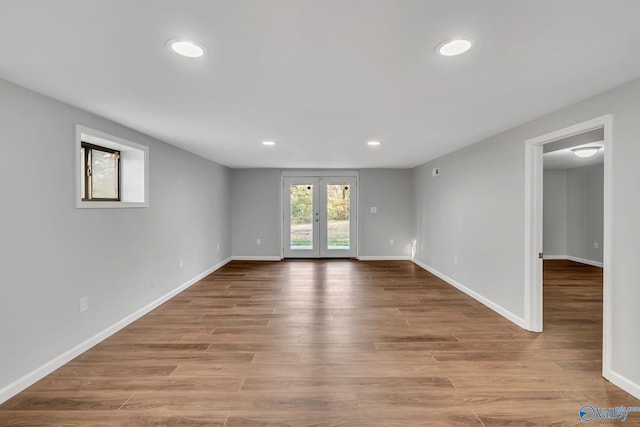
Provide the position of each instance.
(320, 175)
(533, 228)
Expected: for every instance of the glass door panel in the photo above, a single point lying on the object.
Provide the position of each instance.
(338, 226)
(301, 216)
(319, 217)
(301, 231)
(338, 201)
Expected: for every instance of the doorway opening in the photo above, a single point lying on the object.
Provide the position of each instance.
(563, 141)
(320, 216)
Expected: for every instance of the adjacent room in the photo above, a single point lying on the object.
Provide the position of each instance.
(354, 212)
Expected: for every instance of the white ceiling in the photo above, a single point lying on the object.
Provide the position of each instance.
(559, 154)
(566, 159)
(320, 77)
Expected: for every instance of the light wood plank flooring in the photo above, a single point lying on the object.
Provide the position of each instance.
(336, 343)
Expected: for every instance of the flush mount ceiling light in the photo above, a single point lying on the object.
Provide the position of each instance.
(454, 47)
(186, 48)
(373, 143)
(585, 151)
(268, 143)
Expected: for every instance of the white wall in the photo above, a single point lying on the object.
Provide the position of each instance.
(554, 235)
(573, 213)
(51, 253)
(255, 206)
(391, 192)
(476, 210)
(473, 213)
(585, 211)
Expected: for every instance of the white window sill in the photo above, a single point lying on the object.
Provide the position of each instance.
(110, 205)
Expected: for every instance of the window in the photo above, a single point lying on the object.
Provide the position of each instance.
(112, 172)
(101, 172)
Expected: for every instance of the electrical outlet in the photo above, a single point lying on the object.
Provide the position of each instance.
(421, 246)
(595, 245)
(218, 247)
(435, 171)
(84, 304)
(181, 262)
(258, 242)
(391, 242)
(455, 259)
(373, 209)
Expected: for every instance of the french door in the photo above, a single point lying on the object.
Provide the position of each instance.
(320, 217)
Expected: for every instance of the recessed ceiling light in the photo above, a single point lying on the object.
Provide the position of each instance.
(585, 151)
(186, 48)
(373, 143)
(268, 143)
(454, 47)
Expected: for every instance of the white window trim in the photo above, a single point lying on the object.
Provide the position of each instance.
(109, 141)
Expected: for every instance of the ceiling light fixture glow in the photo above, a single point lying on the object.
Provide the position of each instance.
(268, 143)
(454, 47)
(373, 143)
(186, 48)
(585, 151)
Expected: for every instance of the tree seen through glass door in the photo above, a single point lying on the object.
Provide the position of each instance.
(338, 216)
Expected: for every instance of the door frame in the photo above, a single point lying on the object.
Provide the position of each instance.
(319, 173)
(533, 310)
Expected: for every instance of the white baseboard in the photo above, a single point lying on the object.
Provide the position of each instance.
(256, 258)
(622, 382)
(554, 257)
(585, 261)
(360, 258)
(37, 374)
(575, 259)
(487, 302)
(384, 258)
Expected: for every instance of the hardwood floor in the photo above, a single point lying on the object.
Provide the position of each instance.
(336, 343)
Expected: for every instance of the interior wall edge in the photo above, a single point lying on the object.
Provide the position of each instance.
(256, 258)
(481, 299)
(621, 381)
(37, 374)
(574, 259)
(555, 257)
